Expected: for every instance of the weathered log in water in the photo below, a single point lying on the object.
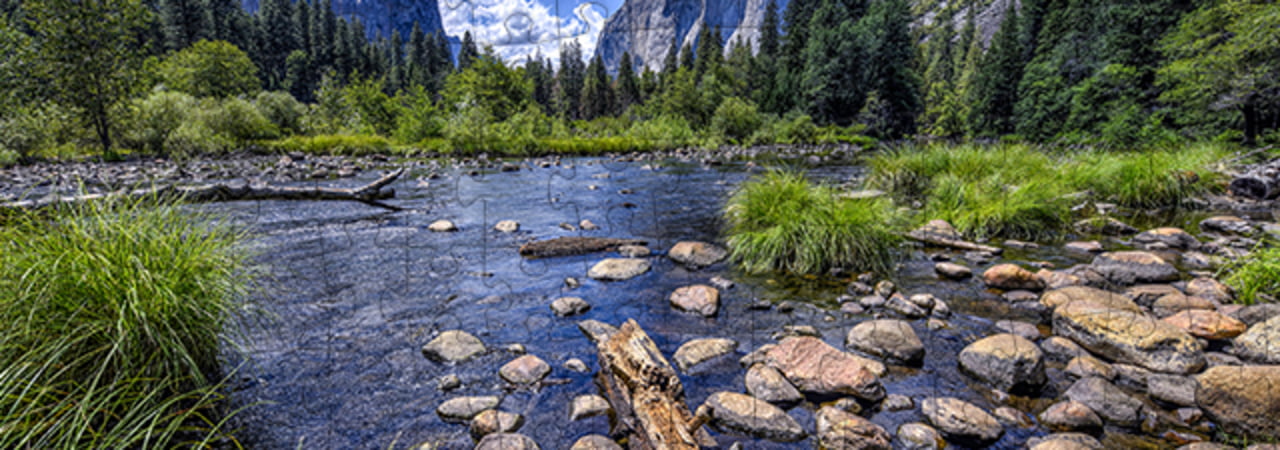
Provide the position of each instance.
(1258, 182)
(646, 393)
(367, 194)
(943, 241)
(573, 245)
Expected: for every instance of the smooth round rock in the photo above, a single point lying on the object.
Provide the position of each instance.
(696, 255)
(1244, 400)
(595, 442)
(442, 226)
(961, 421)
(768, 384)
(1069, 416)
(1059, 297)
(918, 436)
(1260, 343)
(507, 226)
(618, 269)
(1129, 337)
(465, 408)
(698, 298)
(952, 271)
(569, 306)
(890, 339)
(1005, 362)
(453, 346)
(527, 369)
(1107, 400)
(838, 429)
(1129, 267)
(1206, 324)
(588, 406)
(1010, 277)
(699, 351)
(507, 441)
(744, 414)
(492, 421)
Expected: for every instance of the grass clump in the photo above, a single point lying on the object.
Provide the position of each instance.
(781, 221)
(1151, 179)
(1255, 276)
(333, 144)
(114, 314)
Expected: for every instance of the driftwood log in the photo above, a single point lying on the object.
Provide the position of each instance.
(1260, 182)
(943, 241)
(368, 194)
(573, 245)
(646, 394)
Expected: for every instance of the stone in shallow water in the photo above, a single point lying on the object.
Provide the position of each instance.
(1005, 362)
(595, 442)
(588, 406)
(768, 384)
(442, 226)
(507, 441)
(507, 226)
(527, 369)
(596, 331)
(493, 421)
(1010, 277)
(890, 339)
(1064, 441)
(618, 269)
(814, 366)
(696, 255)
(1129, 337)
(1107, 400)
(952, 270)
(1169, 237)
(698, 351)
(1131, 267)
(918, 436)
(1260, 343)
(569, 306)
(453, 346)
(465, 408)
(961, 421)
(1244, 400)
(1206, 324)
(747, 415)
(698, 298)
(838, 429)
(1070, 415)
(1059, 297)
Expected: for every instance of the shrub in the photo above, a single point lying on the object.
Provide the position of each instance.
(419, 119)
(663, 131)
(330, 144)
(990, 206)
(284, 111)
(210, 69)
(114, 314)
(236, 120)
(780, 221)
(1148, 179)
(736, 119)
(374, 111)
(157, 117)
(30, 130)
(1255, 275)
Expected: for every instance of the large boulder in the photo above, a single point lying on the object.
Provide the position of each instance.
(1243, 400)
(751, 416)
(453, 346)
(1107, 400)
(695, 254)
(838, 429)
(961, 421)
(1004, 361)
(1260, 343)
(1206, 324)
(1131, 267)
(815, 367)
(1010, 277)
(1058, 297)
(698, 298)
(1129, 337)
(890, 339)
(699, 351)
(768, 384)
(1227, 224)
(493, 421)
(618, 269)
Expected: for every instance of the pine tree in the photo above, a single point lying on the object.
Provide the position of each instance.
(302, 23)
(323, 36)
(892, 73)
(709, 50)
(539, 75)
(440, 60)
(468, 53)
(765, 67)
(832, 80)
(995, 89)
(939, 71)
(395, 60)
(279, 37)
(184, 22)
(628, 87)
(670, 62)
(953, 113)
(597, 91)
(569, 80)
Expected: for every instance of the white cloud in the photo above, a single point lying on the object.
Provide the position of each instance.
(518, 29)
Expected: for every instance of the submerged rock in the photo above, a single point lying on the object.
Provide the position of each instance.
(1005, 362)
(699, 298)
(588, 406)
(453, 346)
(696, 255)
(961, 421)
(748, 415)
(527, 369)
(507, 226)
(618, 269)
(569, 306)
(838, 429)
(952, 270)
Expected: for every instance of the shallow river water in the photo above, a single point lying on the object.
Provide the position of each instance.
(350, 293)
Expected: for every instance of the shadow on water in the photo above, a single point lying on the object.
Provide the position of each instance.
(354, 292)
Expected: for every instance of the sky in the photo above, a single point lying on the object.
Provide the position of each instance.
(518, 29)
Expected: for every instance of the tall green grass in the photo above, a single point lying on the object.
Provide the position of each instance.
(1258, 273)
(782, 222)
(1156, 178)
(114, 314)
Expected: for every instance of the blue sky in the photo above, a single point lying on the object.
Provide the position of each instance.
(519, 28)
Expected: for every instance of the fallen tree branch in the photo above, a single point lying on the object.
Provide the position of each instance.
(942, 241)
(573, 245)
(368, 194)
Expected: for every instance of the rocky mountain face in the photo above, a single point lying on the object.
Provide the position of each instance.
(380, 17)
(645, 28)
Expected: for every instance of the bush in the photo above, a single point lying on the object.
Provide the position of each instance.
(284, 111)
(665, 131)
(114, 314)
(1149, 179)
(419, 119)
(210, 69)
(28, 131)
(1256, 275)
(236, 120)
(736, 119)
(782, 222)
(157, 117)
(330, 144)
(990, 206)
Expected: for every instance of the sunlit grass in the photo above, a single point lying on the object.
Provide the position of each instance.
(782, 222)
(1255, 275)
(114, 316)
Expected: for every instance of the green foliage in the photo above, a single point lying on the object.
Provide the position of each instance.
(781, 222)
(158, 116)
(26, 132)
(995, 88)
(495, 90)
(372, 110)
(237, 120)
(333, 144)
(993, 205)
(834, 79)
(281, 109)
(892, 56)
(419, 119)
(1149, 179)
(736, 119)
(114, 318)
(1255, 275)
(210, 69)
(662, 131)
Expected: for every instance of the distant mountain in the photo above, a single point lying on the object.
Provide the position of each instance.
(380, 17)
(645, 28)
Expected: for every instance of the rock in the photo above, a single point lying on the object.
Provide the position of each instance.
(1065, 441)
(453, 346)
(841, 430)
(815, 367)
(1059, 348)
(1255, 314)
(897, 402)
(1104, 225)
(1169, 237)
(1084, 246)
(493, 421)
(1175, 303)
(872, 301)
(952, 271)
(1260, 343)
(634, 251)
(1131, 267)
(1129, 337)
(1226, 224)
(465, 408)
(940, 228)
(1009, 277)
(587, 225)
(527, 369)
(721, 283)
(449, 382)
(597, 331)
(1147, 294)
(961, 421)
(747, 415)
(852, 308)
(569, 306)
(576, 365)
(1088, 366)
(588, 406)
(890, 339)
(699, 351)
(1058, 279)
(1021, 245)
(1011, 417)
(768, 384)
(595, 442)
(1019, 295)
(1206, 324)
(698, 298)
(1004, 361)
(1107, 400)
(1131, 376)
(507, 441)
(1070, 415)
(859, 289)
(1210, 289)
(442, 226)
(1222, 359)
(924, 301)
(696, 255)
(918, 436)
(885, 288)
(901, 305)
(507, 226)
(1173, 389)
(1058, 297)
(1023, 329)
(618, 269)
(1243, 400)
(1205, 446)
(940, 310)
